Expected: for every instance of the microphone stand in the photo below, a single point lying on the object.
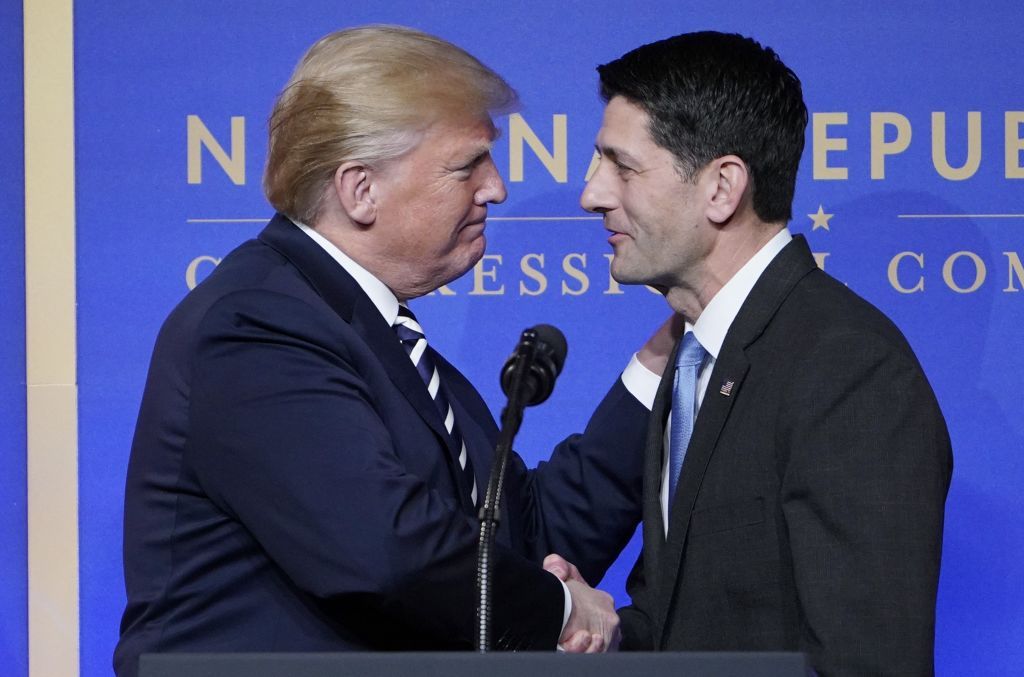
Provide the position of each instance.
(511, 418)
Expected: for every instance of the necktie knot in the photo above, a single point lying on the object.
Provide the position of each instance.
(407, 326)
(691, 352)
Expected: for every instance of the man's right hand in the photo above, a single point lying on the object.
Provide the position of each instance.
(593, 625)
(655, 352)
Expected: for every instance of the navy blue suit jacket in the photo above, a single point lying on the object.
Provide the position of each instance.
(291, 486)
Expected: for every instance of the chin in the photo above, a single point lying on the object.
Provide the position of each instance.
(476, 247)
(623, 274)
(634, 278)
(466, 263)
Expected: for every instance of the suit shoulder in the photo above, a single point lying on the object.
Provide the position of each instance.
(252, 267)
(253, 279)
(824, 308)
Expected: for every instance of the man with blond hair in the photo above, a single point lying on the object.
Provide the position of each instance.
(306, 470)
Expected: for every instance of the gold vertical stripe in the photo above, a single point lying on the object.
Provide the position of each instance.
(52, 393)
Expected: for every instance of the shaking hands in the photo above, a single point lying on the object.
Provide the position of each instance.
(593, 625)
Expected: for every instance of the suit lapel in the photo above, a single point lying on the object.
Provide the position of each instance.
(653, 523)
(731, 365)
(786, 269)
(344, 295)
(479, 448)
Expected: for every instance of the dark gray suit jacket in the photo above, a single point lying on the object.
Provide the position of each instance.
(809, 511)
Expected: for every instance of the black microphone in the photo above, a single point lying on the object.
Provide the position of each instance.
(545, 349)
(527, 378)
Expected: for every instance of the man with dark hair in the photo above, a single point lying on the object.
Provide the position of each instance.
(797, 460)
(306, 471)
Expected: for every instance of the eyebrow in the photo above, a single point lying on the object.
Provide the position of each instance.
(487, 146)
(480, 152)
(615, 154)
(472, 159)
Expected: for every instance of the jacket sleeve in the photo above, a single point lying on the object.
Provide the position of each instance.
(585, 502)
(637, 634)
(863, 497)
(587, 499)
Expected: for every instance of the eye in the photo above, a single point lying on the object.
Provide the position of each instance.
(466, 170)
(624, 170)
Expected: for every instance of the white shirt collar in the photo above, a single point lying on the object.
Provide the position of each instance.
(382, 297)
(716, 318)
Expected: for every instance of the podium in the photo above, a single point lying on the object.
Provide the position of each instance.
(696, 664)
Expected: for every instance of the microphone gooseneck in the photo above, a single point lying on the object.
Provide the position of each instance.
(527, 378)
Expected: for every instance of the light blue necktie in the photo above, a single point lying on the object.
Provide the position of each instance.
(688, 360)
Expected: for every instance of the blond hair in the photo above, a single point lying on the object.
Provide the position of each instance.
(367, 94)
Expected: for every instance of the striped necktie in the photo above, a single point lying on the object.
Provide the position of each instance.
(410, 333)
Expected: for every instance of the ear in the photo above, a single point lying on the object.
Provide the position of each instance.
(726, 179)
(352, 184)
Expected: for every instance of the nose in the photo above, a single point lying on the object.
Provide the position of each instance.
(492, 188)
(596, 196)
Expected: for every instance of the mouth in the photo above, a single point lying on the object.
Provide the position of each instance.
(474, 229)
(615, 236)
(476, 221)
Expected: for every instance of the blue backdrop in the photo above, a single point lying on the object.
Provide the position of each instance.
(902, 232)
(13, 553)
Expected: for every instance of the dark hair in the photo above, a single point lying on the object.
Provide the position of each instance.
(712, 94)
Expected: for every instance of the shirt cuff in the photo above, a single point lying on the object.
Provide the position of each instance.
(641, 382)
(566, 611)
(568, 605)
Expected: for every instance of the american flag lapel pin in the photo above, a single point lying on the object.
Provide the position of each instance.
(726, 388)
